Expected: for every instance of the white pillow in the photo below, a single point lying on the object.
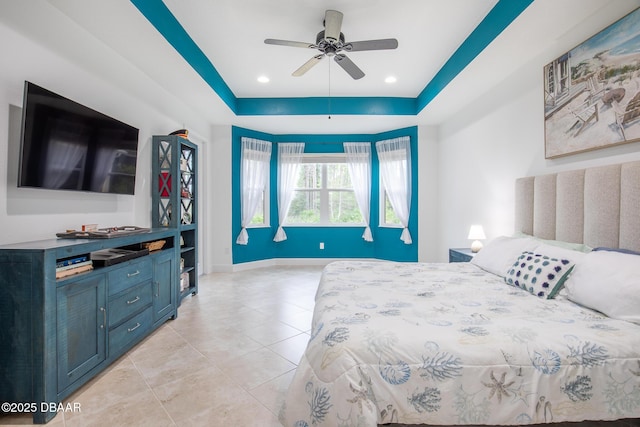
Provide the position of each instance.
(581, 247)
(500, 253)
(608, 282)
(574, 255)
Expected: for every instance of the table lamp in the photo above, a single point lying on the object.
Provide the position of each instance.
(476, 233)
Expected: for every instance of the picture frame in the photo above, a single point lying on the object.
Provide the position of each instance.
(592, 92)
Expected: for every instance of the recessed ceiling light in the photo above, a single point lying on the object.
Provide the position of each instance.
(263, 79)
(390, 79)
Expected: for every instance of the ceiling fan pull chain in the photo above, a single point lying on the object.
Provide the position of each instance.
(329, 100)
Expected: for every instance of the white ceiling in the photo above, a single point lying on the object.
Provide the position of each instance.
(231, 34)
(235, 30)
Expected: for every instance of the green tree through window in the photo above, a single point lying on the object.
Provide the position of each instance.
(324, 196)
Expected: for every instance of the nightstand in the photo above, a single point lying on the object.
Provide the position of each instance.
(460, 255)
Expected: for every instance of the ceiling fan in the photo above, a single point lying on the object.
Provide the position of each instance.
(331, 43)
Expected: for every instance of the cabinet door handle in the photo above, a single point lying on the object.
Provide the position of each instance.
(157, 288)
(136, 299)
(104, 317)
(133, 274)
(134, 328)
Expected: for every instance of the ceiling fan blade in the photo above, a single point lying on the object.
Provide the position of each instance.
(348, 65)
(371, 45)
(307, 65)
(290, 43)
(332, 25)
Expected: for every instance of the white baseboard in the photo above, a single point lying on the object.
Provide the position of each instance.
(220, 268)
(305, 261)
(253, 264)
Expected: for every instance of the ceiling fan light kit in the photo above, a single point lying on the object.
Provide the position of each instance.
(331, 42)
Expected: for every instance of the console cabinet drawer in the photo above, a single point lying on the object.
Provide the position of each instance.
(129, 302)
(130, 331)
(132, 272)
(59, 334)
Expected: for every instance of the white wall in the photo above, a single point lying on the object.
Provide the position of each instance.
(217, 200)
(500, 137)
(32, 214)
(428, 226)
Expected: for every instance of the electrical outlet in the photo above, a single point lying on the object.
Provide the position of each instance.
(321, 245)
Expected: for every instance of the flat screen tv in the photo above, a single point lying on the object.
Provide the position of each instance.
(68, 146)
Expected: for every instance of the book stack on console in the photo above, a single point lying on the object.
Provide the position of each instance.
(74, 265)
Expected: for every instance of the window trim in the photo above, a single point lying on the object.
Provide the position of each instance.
(382, 209)
(266, 199)
(265, 206)
(324, 158)
(382, 198)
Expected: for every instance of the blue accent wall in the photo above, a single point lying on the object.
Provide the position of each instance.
(325, 105)
(340, 242)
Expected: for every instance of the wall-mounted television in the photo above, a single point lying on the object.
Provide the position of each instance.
(68, 146)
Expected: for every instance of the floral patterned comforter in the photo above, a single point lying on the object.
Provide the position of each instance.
(452, 344)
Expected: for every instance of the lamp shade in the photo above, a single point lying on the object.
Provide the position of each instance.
(476, 232)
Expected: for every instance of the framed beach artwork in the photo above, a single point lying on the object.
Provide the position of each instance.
(592, 92)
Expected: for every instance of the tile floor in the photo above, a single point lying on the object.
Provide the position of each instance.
(225, 361)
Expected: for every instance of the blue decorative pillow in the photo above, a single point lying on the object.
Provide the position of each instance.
(541, 275)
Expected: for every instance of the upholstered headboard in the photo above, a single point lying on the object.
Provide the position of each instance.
(597, 206)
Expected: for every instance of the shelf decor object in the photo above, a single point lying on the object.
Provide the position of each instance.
(174, 202)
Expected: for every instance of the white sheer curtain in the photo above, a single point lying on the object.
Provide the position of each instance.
(254, 175)
(289, 155)
(65, 157)
(359, 163)
(100, 177)
(394, 156)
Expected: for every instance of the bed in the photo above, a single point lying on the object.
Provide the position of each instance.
(534, 330)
